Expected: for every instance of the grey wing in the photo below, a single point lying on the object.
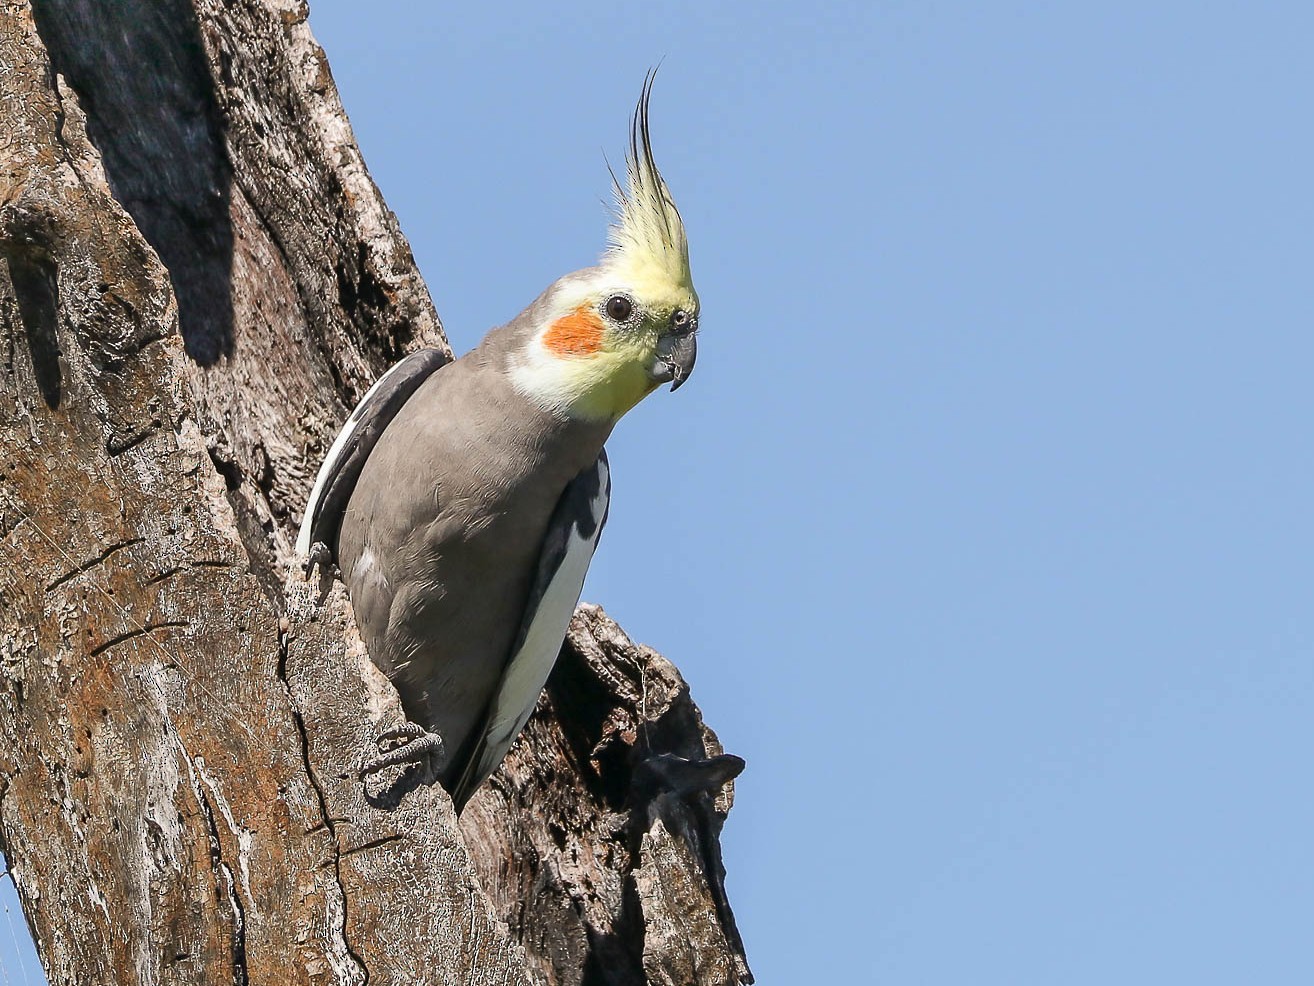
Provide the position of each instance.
(572, 537)
(345, 460)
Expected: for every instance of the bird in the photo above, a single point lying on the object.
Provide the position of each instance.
(462, 501)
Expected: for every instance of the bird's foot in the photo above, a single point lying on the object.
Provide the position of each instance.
(320, 554)
(687, 778)
(407, 744)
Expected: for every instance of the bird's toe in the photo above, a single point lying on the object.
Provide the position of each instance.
(406, 744)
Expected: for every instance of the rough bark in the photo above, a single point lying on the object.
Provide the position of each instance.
(198, 280)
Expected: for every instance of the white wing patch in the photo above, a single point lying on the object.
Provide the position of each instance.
(529, 669)
(330, 465)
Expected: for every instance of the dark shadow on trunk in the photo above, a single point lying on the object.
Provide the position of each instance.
(36, 288)
(139, 69)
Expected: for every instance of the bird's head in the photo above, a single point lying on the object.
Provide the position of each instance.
(607, 336)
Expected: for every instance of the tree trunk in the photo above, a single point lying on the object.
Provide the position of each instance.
(199, 279)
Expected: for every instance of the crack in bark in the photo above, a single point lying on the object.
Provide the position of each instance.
(221, 868)
(375, 844)
(166, 574)
(169, 573)
(115, 448)
(135, 632)
(98, 560)
(325, 814)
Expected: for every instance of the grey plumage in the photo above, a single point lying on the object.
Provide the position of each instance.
(363, 428)
(494, 467)
(463, 502)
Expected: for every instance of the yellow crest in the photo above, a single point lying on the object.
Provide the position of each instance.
(647, 242)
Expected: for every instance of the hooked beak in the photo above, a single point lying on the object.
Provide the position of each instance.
(675, 359)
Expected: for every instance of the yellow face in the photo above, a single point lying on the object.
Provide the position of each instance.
(616, 332)
(605, 347)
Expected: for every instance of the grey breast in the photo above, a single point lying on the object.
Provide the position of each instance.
(442, 535)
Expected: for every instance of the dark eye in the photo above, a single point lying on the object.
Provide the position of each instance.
(619, 308)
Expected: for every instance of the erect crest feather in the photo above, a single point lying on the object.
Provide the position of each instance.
(647, 238)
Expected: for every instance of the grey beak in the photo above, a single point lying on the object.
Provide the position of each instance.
(675, 359)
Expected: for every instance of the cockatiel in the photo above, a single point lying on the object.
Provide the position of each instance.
(463, 501)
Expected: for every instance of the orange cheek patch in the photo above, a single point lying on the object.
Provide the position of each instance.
(576, 334)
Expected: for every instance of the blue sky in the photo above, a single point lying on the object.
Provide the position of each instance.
(983, 530)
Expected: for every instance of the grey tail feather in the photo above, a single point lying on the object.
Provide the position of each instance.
(466, 785)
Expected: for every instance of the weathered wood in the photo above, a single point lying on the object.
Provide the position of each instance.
(622, 875)
(198, 280)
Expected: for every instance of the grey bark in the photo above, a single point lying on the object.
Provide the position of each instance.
(199, 279)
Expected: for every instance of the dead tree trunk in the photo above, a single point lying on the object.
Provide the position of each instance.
(199, 279)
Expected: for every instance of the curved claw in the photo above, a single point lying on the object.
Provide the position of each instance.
(406, 744)
(322, 555)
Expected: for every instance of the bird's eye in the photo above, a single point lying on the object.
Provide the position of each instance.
(619, 307)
